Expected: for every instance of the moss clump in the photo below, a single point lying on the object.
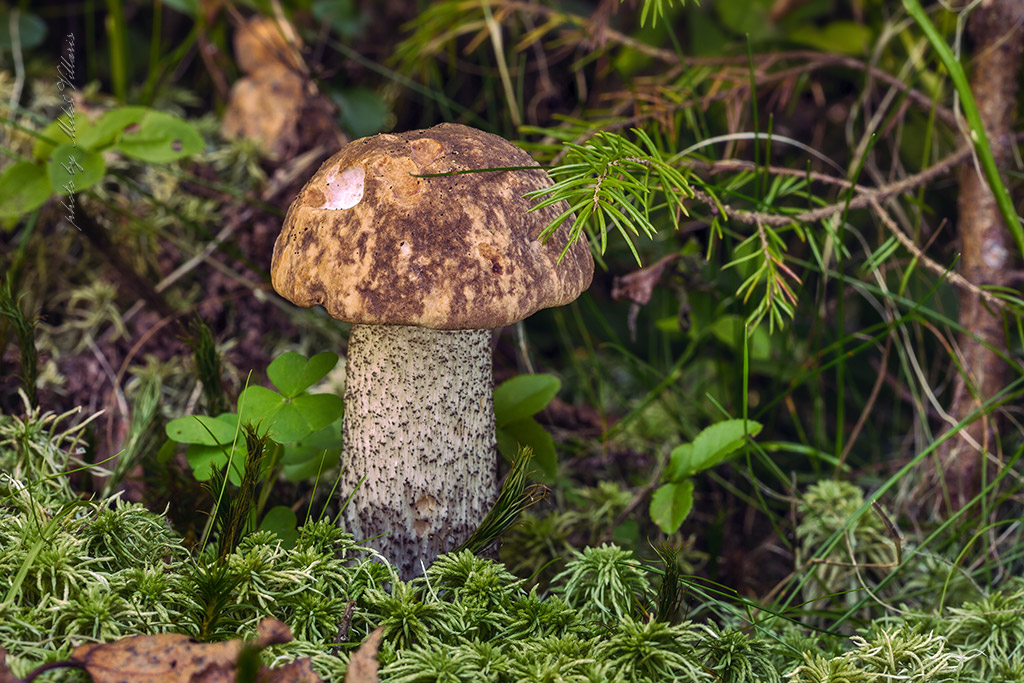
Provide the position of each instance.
(75, 571)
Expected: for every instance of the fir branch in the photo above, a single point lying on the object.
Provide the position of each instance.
(613, 180)
(512, 500)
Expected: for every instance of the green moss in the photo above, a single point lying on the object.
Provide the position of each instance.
(74, 571)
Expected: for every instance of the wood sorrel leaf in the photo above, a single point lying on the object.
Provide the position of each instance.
(72, 169)
(292, 374)
(24, 187)
(203, 429)
(522, 396)
(282, 521)
(287, 419)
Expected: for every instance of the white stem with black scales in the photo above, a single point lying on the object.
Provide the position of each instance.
(419, 426)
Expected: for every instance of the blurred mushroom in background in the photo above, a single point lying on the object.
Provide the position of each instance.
(277, 104)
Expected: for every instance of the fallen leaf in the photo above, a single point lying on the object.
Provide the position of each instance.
(162, 658)
(272, 632)
(362, 668)
(178, 658)
(295, 671)
(265, 106)
(639, 285)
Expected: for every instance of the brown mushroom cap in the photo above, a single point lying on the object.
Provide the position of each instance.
(375, 245)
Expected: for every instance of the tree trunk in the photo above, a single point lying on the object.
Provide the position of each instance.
(419, 426)
(986, 246)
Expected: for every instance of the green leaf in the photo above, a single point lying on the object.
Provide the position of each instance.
(529, 432)
(312, 446)
(749, 17)
(257, 404)
(203, 429)
(730, 329)
(842, 37)
(72, 169)
(287, 419)
(62, 129)
(24, 187)
(31, 31)
(523, 396)
(709, 448)
(720, 439)
(361, 111)
(109, 127)
(671, 504)
(159, 138)
(681, 463)
(299, 417)
(301, 470)
(292, 374)
(508, 446)
(167, 450)
(189, 7)
(341, 15)
(282, 521)
(668, 324)
(203, 460)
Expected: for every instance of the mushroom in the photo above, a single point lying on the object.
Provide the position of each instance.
(424, 268)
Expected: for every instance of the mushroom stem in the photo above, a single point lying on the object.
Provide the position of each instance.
(420, 434)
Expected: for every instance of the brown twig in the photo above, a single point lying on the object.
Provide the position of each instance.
(865, 196)
(936, 268)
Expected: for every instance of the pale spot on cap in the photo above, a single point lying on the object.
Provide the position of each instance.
(344, 190)
(425, 150)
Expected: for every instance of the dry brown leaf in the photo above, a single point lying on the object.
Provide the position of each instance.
(163, 658)
(277, 108)
(295, 671)
(639, 285)
(362, 668)
(178, 658)
(272, 632)
(265, 106)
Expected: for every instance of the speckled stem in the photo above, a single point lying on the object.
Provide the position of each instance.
(419, 425)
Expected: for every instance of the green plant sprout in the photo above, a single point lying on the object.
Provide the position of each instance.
(515, 401)
(303, 425)
(24, 332)
(673, 500)
(68, 154)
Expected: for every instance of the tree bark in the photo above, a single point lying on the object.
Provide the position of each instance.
(986, 246)
(419, 433)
